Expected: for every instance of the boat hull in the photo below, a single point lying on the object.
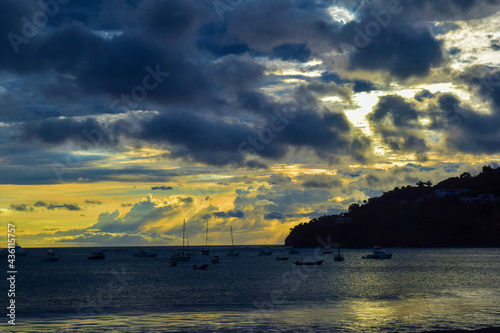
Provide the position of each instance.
(378, 256)
(313, 263)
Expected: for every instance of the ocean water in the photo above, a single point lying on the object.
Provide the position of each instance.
(415, 291)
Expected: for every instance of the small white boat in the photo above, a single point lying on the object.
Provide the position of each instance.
(145, 254)
(265, 252)
(328, 250)
(20, 251)
(378, 253)
(50, 256)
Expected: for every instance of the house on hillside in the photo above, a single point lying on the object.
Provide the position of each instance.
(450, 192)
(481, 199)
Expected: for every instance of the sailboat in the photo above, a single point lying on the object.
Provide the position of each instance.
(232, 253)
(205, 251)
(182, 256)
(50, 257)
(20, 251)
(338, 256)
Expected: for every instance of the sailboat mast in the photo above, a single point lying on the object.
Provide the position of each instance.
(206, 237)
(183, 235)
(232, 241)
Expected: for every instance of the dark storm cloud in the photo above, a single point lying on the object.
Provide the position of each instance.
(402, 51)
(484, 80)
(93, 202)
(207, 76)
(200, 138)
(21, 208)
(451, 9)
(231, 213)
(321, 181)
(53, 206)
(61, 130)
(287, 52)
(468, 130)
(495, 45)
(162, 188)
(423, 94)
(274, 216)
(396, 121)
(50, 206)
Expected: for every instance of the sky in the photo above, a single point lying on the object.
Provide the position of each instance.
(121, 119)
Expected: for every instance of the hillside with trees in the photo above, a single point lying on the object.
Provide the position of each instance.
(453, 213)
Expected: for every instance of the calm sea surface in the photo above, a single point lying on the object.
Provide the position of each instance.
(417, 290)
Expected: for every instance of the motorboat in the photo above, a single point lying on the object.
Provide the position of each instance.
(282, 258)
(294, 251)
(265, 252)
(145, 253)
(205, 266)
(20, 252)
(328, 251)
(97, 256)
(51, 256)
(378, 253)
(172, 263)
(216, 260)
(309, 263)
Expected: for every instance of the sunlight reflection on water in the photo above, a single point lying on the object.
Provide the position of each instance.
(417, 290)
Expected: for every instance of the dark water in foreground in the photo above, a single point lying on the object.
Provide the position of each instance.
(417, 290)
